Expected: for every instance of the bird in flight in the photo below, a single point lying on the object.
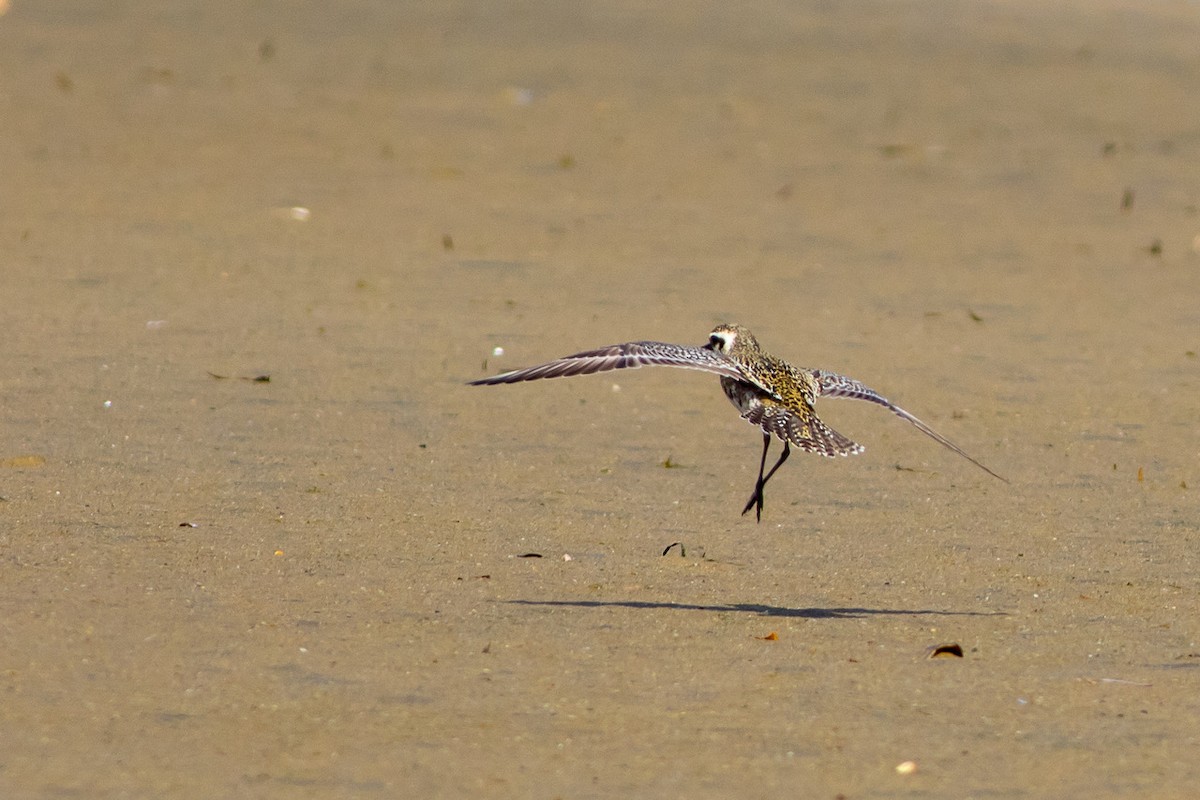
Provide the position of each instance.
(767, 391)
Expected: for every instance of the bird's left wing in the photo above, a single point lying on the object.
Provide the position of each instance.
(630, 355)
(833, 385)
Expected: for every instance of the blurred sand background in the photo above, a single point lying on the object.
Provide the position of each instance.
(312, 586)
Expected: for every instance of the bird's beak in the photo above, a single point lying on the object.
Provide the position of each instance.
(707, 345)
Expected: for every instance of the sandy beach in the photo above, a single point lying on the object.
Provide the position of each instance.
(258, 539)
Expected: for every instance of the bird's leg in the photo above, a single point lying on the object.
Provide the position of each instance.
(756, 500)
(787, 451)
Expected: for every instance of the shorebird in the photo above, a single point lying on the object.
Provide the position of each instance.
(767, 391)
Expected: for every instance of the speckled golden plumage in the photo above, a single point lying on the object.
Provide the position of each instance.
(767, 391)
(778, 397)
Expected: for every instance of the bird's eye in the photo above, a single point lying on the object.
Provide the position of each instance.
(716, 342)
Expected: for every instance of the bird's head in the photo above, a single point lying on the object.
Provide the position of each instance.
(730, 339)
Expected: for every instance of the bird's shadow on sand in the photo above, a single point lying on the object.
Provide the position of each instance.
(759, 609)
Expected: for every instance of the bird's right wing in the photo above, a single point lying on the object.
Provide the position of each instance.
(833, 385)
(630, 355)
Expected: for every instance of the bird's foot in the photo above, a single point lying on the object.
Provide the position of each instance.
(755, 502)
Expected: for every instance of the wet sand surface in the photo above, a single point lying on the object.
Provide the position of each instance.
(314, 586)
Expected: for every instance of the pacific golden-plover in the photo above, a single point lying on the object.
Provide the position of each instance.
(767, 391)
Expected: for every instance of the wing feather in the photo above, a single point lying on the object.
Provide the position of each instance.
(833, 385)
(630, 355)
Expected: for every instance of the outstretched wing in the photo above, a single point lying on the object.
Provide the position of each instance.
(630, 355)
(833, 385)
